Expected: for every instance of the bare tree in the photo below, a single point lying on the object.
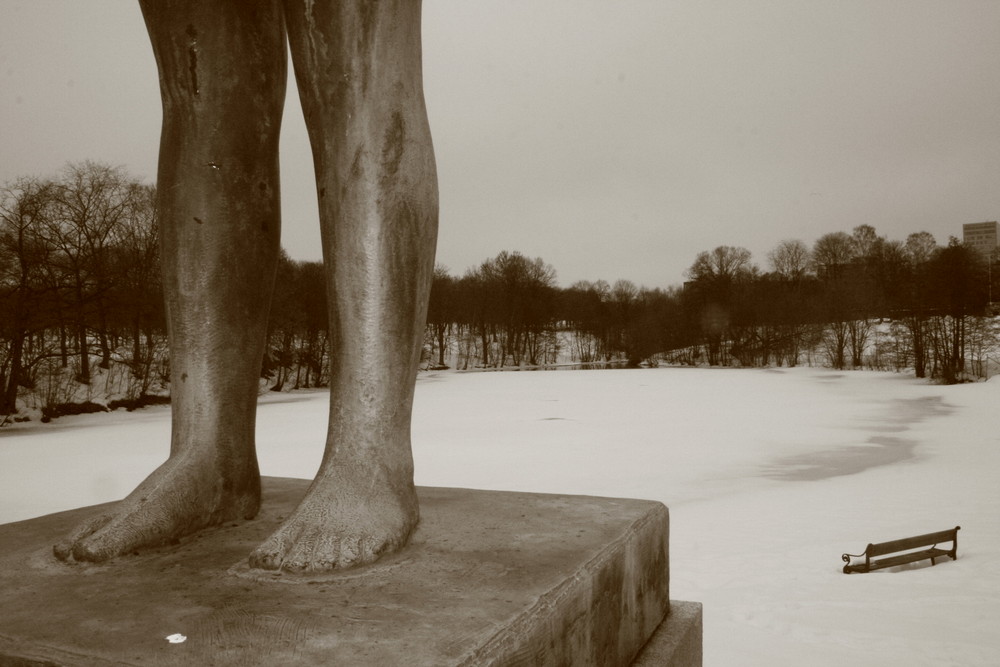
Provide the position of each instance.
(713, 281)
(23, 290)
(865, 241)
(583, 309)
(920, 247)
(831, 254)
(790, 259)
(959, 289)
(918, 250)
(832, 257)
(624, 310)
(297, 325)
(137, 300)
(441, 313)
(724, 263)
(90, 202)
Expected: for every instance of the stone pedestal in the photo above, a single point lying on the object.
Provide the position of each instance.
(489, 578)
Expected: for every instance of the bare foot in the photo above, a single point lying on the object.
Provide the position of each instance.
(180, 497)
(344, 520)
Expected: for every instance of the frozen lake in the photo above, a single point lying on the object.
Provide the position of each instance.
(770, 475)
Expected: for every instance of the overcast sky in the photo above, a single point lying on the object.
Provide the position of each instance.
(613, 139)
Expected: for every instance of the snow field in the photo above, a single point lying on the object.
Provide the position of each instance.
(769, 475)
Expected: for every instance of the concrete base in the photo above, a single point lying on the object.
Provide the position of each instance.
(677, 642)
(489, 578)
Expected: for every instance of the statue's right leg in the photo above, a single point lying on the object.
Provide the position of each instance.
(222, 68)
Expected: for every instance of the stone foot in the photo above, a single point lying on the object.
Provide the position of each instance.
(344, 520)
(180, 497)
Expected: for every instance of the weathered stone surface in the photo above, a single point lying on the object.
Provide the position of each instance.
(678, 640)
(488, 578)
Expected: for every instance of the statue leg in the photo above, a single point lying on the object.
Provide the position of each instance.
(358, 68)
(222, 73)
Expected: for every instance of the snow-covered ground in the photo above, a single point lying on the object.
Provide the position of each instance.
(770, 475)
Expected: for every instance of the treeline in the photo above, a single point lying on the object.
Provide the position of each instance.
(79, 282)
(80, 290)
(858, 300)
(853, 300)
(81, 308)
(508, 311)
(81, 298)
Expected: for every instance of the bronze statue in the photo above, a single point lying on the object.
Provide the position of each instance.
(222, 68)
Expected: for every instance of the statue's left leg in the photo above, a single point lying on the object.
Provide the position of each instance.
(358, 67)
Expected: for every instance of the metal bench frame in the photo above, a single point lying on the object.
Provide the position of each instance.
(904, 545)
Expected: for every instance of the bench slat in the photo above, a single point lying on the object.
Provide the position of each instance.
(911, 557)
(911, 542)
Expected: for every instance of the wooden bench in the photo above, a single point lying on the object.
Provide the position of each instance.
(904, 545)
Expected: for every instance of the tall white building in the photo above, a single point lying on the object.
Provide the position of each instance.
(982, 236)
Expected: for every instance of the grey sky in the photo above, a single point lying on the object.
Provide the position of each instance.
(614, 139)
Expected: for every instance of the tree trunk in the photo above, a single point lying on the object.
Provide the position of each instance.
(103, 338)
(136, 344)
(8, 402)
(84, 375)
(919, 348)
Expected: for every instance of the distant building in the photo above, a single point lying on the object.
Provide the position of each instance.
(981, 236)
